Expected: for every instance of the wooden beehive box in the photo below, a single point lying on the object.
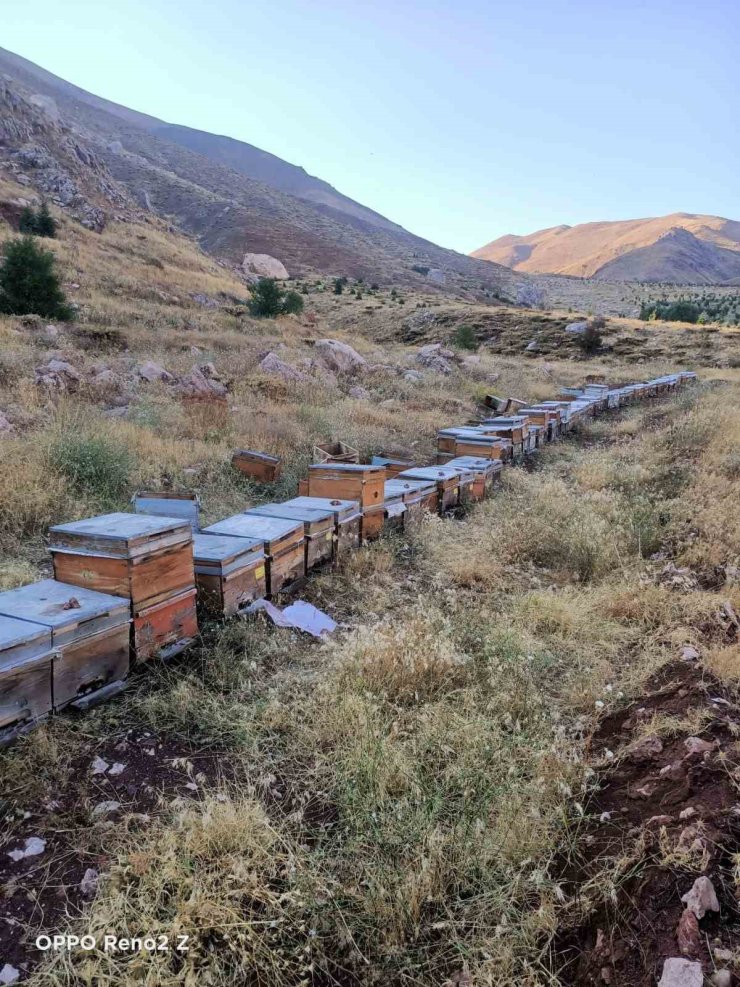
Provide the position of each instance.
(89, 630)
(143, 558)
(515, 424)
(347, 519)
(229, 573)
(486, 473)
(418, 496)
(392, 466)
(348, 481)
(165, 628)
(318, 529)
(283, 542)
(447, 480)
(25, 675)
(335, 452)
(394, 506)
(258, 466)
(182, 504)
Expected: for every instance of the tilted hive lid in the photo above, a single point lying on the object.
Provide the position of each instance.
(120, 535)
(475, 464)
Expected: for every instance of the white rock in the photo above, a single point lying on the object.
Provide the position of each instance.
(264, 266)
(99, 766)
(89, 882)
(276, 367)
(339, 357)
(104, 808)
(695, 745)
(117, 769)
(34, 846)
(9, 974)
(702, 897)
(151, 371)
(721, 978)
(576, 328)
(678, 972)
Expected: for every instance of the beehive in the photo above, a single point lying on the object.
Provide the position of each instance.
(392, 466)
(258, 466)
(348, 481)
(25, 675)
(283, 543)
(89, 631)
(335, 452)
(143, 558)
(419, 497)
(486, 473)
(447, 480)
(347, 519)
(318, 529)
(169, 503)
(546, 417)
(515, 425)
(472, 442)
(394, 505)
(229, 573)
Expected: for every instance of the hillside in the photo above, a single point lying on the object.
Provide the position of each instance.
(679, 249)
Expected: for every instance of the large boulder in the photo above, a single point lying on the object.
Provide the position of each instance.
(576, 328)
(151, 371)
(203, 382)
(275, 367)
(435, 357)
(58, 376)
(530, 296)
(339, 357)
(264, 266)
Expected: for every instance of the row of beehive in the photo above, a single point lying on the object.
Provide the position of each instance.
(125, 585)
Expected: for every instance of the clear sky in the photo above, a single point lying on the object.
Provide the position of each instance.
(460, 119)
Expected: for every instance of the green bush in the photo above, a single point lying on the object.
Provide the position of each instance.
(464, 338)
(269, 300)
(96, 466)
(29, 284)
(42, 223)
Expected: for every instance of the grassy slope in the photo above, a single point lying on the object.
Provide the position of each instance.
(394, 805)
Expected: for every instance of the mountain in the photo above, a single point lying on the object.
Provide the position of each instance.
(682, 248)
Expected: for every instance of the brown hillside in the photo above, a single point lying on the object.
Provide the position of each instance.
(681, 248)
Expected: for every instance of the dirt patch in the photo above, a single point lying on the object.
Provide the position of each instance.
(664, 815)
(115, 785)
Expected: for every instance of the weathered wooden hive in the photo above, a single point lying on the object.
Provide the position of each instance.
(258, 466)
(335, 452)
(89, 631)
(418, 497)
(144, 558)
(283, 545)
(447, 479)
(547, 418)
(352, 481)
(26, 659)
(182, 504)
(392, 466)
(230, 573)
(486, 473)
(471, 441)
(318, 529)
(347, 519)
(512, 427)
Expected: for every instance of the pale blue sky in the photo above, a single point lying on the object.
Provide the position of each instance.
(460, 120)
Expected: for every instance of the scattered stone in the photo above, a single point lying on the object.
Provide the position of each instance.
(437, 276)
(9, 974)
(434, 357)
(413, 376)
(687, 934)
(675, 771)
(359, 393)
(195, 351)
(264, 266)
(58, 376)
(273, 365)
(723, 955)
(678, 972)
(532, 346)
(339, 357)
(34, 846)
(721, 978)
(117, 769)
(576, 328)
(689, 653)
(702, 897)
(151, 371)
(105, 808)
(687, 813)
(646, 748)
(695, 745)
(89, 882)
(205, 301)
(530, 296)
(99, 766)
(644, 791)
(203, 382)
(6, 427)
(656, 821)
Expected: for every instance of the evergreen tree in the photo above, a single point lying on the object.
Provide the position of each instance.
(46, 225)
(292, 303)
(29, 284)
(27, 222)
(269, 300)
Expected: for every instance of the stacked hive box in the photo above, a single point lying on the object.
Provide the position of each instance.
(87, 631)
(392, 466)
(546, 418)
(486, 473)
(229, 573)
(418, 498)
(257, 465)
(318, 529)
(515, 428)
(283, 544)
(471, 441)
(146, 559)
(347, 519)
(454, 486)
(352, 481)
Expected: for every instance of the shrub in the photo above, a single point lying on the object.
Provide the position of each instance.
(269, 300)
(29, 283)
(464, 338)
(590, 341)
(95, 465)
(42, 223)
(339, 284)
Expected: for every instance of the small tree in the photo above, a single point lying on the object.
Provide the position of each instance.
(464, 338)
(339, 284)
(29, 284)
(46, 225)
(590, 341)
(270, 300)
(27, 222)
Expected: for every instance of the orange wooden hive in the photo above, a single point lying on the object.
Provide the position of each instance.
(352, 481)
(318, 529)
(347, 519)
(258, 465)
(283, 543)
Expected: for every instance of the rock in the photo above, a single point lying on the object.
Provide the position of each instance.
(644, 791)
(359, 393)
(413, 376)
(264, 266)
(656, 821)
(205, 301)
(105, 808)
(114, 147)
(687, 934)
(34, 846)
(117, 769)
(721, 978)
(437, 276)
(202, 382)
(689, 653)
(687, 813)
(722, 955)
(576, 328)
(339, 357)
(59, 376)
(675, 771)
(678, 972)
(195, 351)
(646, 749)
(89, 882)
(6, 427)
(273, 365)
(532, 346)
(99, 766)
(416, 324)
(433, 358)
(702, 897)
(151, 371)
(530, 296)
(695, 745)
(9, 974)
